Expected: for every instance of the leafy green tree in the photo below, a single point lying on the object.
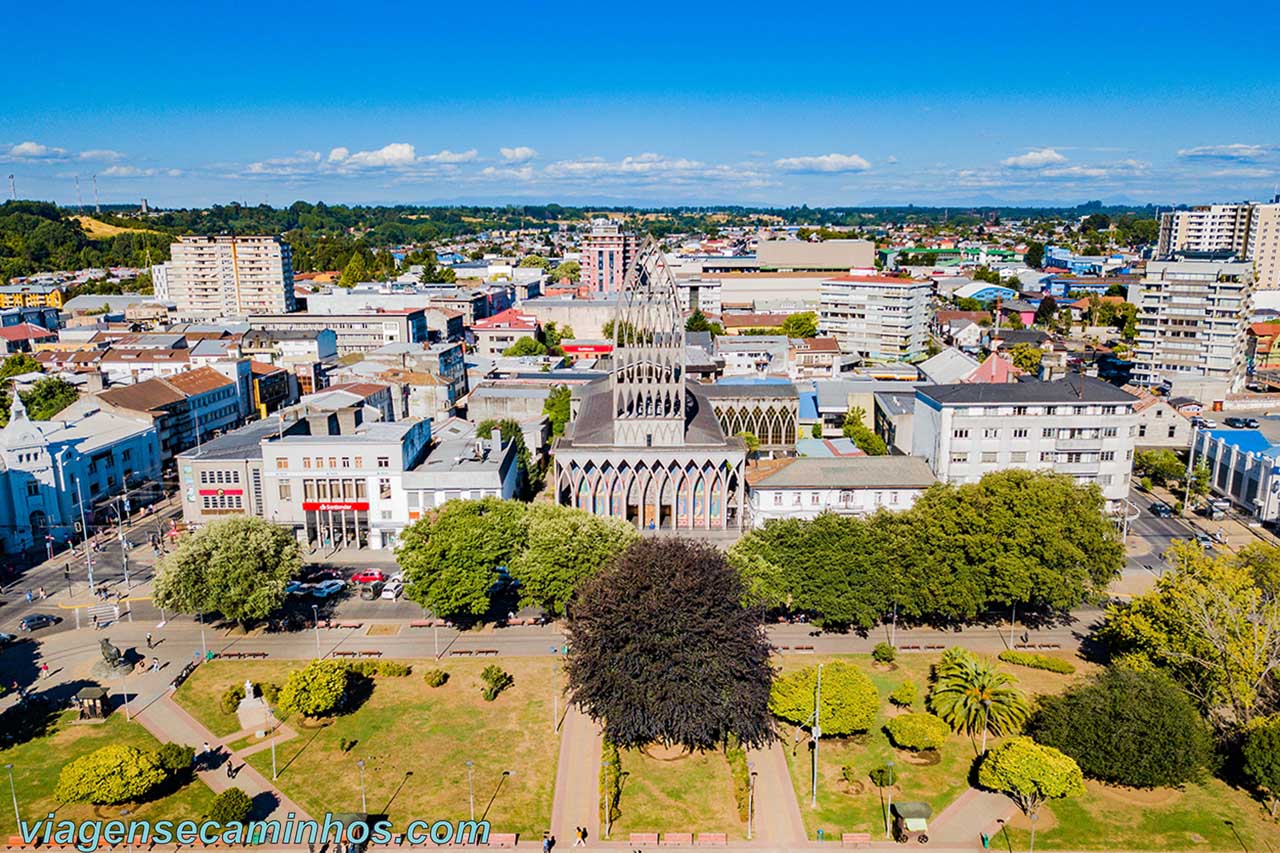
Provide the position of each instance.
(1162, 466)
(1029, 774)
(1262, 561)
(917, 732)
(557, 408)
(1260, 751)
(175, 759)
(661, 649)
(862, 435)
(1026, 357)
(698, 322)
(848, 699)
(751, 441)
(526, 346)
(802, 325)
(816, 431)
(237, 567)
(535, 261)
(905, 694)
(1034, 256)
(529, 477)
(561, 548)
(451, 558)
(1047, 311)
(1128, 727)
(971, 695)
(231, 806)
(571, 270)
(1211, 626)
(355, 271)
(109, 775)
(320, 688)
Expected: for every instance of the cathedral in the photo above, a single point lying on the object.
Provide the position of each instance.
(644, 443)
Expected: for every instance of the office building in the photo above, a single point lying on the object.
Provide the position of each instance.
(607, 254)
(355, 333)
(877, 317)
(804, 488)
(213, 277)
(1192, 319)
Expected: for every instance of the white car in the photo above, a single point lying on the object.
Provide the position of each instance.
(392, 590)
(324, 589)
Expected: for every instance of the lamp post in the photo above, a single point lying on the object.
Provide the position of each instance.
(555, 692)
(817, 734)
(986, 716)
(751, 797)
(84, 527)
(471, 789)
(125, 684)
(888, 783)
(17, 818)
(315, 618)
(608, 801)
(364, 805)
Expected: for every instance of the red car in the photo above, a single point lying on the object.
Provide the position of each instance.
(369, 576)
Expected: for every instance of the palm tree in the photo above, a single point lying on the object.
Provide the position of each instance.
(972, 696)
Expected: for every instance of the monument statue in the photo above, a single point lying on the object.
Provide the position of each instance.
(248, 688)
(113, 663)
(110, 654)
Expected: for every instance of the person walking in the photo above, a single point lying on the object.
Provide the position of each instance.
(155, 664)
(581, 840)
(95, 621)
(149, 645)
(44, 670)
(42, 593)
(29, 597)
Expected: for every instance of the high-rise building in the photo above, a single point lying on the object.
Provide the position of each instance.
(1263, 248)
(607, 253)
(1248, 230)
(214, 277)
(1192, 317)
(877, 317)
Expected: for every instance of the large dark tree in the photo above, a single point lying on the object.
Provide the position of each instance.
(1126, 726)
(661, 649)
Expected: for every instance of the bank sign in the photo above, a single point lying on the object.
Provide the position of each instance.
(358, 506)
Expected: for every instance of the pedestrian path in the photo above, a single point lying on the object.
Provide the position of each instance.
(777, 813)
(577, 797)
(969, 816)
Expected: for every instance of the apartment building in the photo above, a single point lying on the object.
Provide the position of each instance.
(1248, 230)
(1078, 426)
(1192, 319)
(358, 332)
(878, 317)
(1263, 246)
(214, 277)
(31, 296)
(607, 254)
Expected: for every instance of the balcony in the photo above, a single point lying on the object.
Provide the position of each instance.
(1085, 444)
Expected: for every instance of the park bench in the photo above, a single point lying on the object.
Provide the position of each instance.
(352, 625)
(713, 839)
(345, 654)
(370, 653)
(421, 623)
(804, 649)
(255, 654)
(503, 839)
(783, 648)
(241, 655)
(1050, 645)
(936, 646)
(638, 838)
(486, 651)
(676, 839)
(855, 839)
(909, 648)
(1021, 646)
(459, 653)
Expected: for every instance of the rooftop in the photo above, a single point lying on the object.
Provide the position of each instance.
(1072, 389)
(851, 472)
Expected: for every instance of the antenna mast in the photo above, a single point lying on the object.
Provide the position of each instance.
(79, 197)
(97, 203)
(13, 191)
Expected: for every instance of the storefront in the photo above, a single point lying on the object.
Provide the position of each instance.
(336, 524)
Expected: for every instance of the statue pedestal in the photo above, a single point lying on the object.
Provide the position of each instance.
(106, 673)
(253, 713)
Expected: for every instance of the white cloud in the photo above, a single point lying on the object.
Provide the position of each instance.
(1101, 170)
(1243, 172)
(828, 163)
(136, 172)
(100, 154)
(521, 173)
(35, 151)
(1036, 158)
(447, 156)
(393, 154)
(519, 154)
(1236, 151)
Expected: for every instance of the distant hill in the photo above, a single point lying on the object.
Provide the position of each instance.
(96, 229)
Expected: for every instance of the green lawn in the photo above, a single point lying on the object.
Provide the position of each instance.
(857, 806)
(416, 740)
(201, 694)
(37, 763)
(690, 793)
(1112, 818)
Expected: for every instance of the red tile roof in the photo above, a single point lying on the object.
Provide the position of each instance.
(25, 332)
(508, 319)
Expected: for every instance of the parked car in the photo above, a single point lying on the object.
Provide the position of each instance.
(1252, 423)
(295, 588)
(371, 591)
(1235, 423)
(1160, 509)
(1206, 423)
(6, 639)
(369, 576)
(1204, 540)
(32, 621)
(317, 575)
(392, 590)
(324, 589)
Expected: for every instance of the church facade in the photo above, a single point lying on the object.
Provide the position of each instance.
(644, 443)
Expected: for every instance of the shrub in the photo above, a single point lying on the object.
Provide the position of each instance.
(849, 699)
(1261, 754)
(231, 806)
(317, 689)
(905, 694)
(175, 758)
(109, 775)
(367, 668)
(231, 698)
(611, 774)
(346, 744)
(496, 680)
(436, 677)
(270, 691)
(393, 669)
(884, 653)
(741, 773)
(1127, 727)
(917, 731)
(1035, 661)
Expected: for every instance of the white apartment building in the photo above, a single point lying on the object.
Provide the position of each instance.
(1249, 230)
(224, 276)
(702, 294)
(1263, 247)
(1192, 317)
(804, 488)
(1078, 426)
(878, 317)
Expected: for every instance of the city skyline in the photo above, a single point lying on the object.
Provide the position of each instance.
(604, 105)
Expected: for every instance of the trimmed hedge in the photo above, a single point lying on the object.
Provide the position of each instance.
(1036, 661)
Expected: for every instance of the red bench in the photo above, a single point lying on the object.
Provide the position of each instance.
(676, 839)
(486, 651)
(370, 653)
(503, 839)
(644, 838)
(459, 652)
(855, 839)
(421, 623)
(713, 839)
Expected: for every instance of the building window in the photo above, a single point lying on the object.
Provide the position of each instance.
(814, 498)
(384, 461)
(1108, 456)
(1128, 454)
(1019, 410)
(282, 464)
(286, 492)
(346, 462)
(1109, 432)
(33, 488)
(1048, 432)
(359, 461)
(1019, 433)
(1046, 456)
(777, 498)
(960, 433)
(990, 458)
(795, 498)
(306, 462)
(333, 462)
(991, 433)
(959, 458)
(1173, 429)
(1142, 431)
(1020, 456)
(384, 489)
(125, 454)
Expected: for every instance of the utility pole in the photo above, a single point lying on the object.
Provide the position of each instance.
(817, 734)
(84, 526)
(97, 204)
(79, 197)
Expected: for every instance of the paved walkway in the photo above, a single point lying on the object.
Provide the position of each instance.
(777, 813)
(577, 797)
(971, 814)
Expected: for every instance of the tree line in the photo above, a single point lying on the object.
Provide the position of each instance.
(38, 237)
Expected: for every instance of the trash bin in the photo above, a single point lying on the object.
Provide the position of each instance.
(986, 841)
(819, 833)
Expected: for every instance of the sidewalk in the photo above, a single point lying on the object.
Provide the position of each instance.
(971, 814)
(578, 773)
(777, 812)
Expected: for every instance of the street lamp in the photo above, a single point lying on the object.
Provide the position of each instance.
(608, 801)
(751, 797)
(471, 789)
(364, 806)
(125, 684)
(889, 784)
(817, 733)
(986, 715)
(315, 618)
(17, 819)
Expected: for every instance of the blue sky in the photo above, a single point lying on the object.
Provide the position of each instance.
(642, 103)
